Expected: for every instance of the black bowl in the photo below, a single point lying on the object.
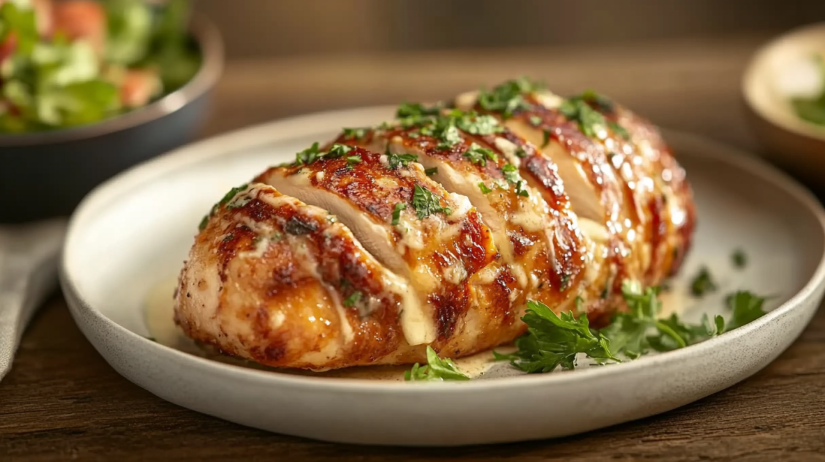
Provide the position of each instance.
(46, 174)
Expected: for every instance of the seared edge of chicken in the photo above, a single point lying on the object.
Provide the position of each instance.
(277, 281)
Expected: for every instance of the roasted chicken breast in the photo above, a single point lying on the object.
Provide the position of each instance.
(436, 229)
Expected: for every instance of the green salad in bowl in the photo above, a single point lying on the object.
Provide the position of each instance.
(76, 62)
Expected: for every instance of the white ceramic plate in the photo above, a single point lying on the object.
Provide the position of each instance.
(134, 231)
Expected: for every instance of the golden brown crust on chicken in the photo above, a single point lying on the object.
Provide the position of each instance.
(282, 283)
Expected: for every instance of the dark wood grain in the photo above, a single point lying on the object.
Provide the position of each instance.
(62, 401)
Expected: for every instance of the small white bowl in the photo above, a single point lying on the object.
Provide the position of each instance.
(793, 144)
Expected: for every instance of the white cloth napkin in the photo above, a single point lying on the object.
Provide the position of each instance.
(28, 268)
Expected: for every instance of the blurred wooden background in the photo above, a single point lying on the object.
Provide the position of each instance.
(265, 28)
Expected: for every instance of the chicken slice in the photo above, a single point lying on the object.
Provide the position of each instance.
(596, 191)
(279, 282)
(432, 238)
(472, 155)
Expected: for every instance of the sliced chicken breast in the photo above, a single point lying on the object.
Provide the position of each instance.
(533, 227)
(432, 238)
(583, 146)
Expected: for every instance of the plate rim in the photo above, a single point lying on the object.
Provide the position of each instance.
(304, 125)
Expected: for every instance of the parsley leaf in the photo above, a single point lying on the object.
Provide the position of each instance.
(431, 171)
(484, 189)
(739, 258)
(702, 283)
(224, 200)
(478, 124)
(508, 98)
(437, 369)
(338, 150)
(355, 133)
(353, 299)
(396, 212)
(590, 121)
(520, 189)
(402, 160)
(308, 155)
(552, 341)
(746, 307)
(416, 109)
(619, 130)
(510, 173)
(545, 138)
(479, 155)
(351, 160)
(426, 203)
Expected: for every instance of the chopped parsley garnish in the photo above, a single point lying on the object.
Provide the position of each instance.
(431, 171)
(603, 103)
(396, 212)
(400, 160)
(355, 133)
(535, 120)
(448, 134)
(739, 259)
(479, 155)
(511, 173)
(545, 140)
(437, 369)
(552, 341)
(338, 150)
(746, 307)
(313, 153)
(484, 189)
(521, 152)
(308, 155)
(702, 283)
(478, 124)
(520, 189)
(590, 121)
(353, 299)
(618, 129)
(426, 203)
(351, 160)
(224, 200)
(416, 110)
(508, 97)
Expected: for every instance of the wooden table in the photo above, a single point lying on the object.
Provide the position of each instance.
(62, 401)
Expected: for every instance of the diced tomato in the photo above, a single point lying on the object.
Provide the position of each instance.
(81, 19)
(138, 87)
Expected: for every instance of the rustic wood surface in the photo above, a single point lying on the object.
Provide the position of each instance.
(62, 401)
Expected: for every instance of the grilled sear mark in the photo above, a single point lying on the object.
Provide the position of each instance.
(433, 238)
